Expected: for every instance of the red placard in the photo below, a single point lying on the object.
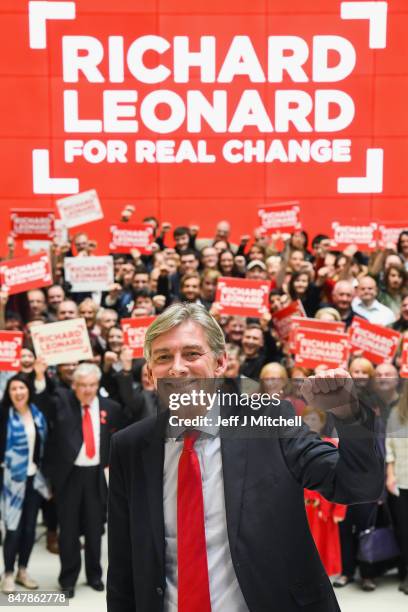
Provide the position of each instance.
(11, 343)
(378, 344)
(32, 224)
(282, 319)
(298, 323)
(282, 218)
(404, 358)
(134, 333)
(362, 235)
(25, 273)
(314, 348)
(389, 231)
(242, 297)
(126, 236)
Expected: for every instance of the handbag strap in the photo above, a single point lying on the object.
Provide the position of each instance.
(372, 519)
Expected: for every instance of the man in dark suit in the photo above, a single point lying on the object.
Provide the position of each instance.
(81, 423)
(230, 534)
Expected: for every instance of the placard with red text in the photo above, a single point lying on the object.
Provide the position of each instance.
(25, 273)
(298, 323)
(11, 343)
(378, 344)
(126, 236)
(282, 319)
(32, 224)
(134, 333)
(388, 233)
(282, 218)
(80, 208)
(242, 297)
(62, 342)
(89, 273)
(404, 358)
(314, 348)
(362, 235)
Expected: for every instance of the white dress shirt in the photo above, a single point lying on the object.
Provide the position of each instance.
(83, 460)
(376, 313)
(225, 592)
(30, 431)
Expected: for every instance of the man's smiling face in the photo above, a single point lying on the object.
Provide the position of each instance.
(183, 352)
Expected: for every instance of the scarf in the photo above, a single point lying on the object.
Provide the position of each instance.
(16, 466)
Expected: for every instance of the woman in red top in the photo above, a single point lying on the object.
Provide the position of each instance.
(323, 515)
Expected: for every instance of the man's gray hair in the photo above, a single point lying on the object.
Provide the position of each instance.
(86, 369)
(180, 313)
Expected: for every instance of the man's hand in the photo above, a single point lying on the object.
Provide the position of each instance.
(109, 359)
(240, 262)
(159, 302)
(215, 310)
(4, 295)
(126, 358)
(114, 290)
(333, 391)
(166, 227)
(136, 254)
(40, 367)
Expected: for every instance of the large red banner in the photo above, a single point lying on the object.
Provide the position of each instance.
(181, 107)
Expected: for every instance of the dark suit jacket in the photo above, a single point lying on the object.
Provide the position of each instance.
(63, 412)
(273, 553)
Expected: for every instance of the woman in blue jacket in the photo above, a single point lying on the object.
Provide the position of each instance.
(23, 432)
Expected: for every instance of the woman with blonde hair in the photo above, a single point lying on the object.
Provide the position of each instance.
(327, 314)
(274, 378)
(397, 475)
(359, 516)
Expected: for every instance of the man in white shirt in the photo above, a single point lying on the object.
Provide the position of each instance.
(366, 305)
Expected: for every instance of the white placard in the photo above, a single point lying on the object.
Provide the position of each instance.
(80, 208)
(89, 273)
(62, 342)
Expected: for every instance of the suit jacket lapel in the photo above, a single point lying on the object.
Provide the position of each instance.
(103, 431)
(77, 436)
(234, 458)
(153, 460)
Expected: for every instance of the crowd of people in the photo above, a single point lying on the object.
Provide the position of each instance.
(56, 422)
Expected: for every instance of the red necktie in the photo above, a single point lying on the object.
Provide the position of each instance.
(88, 434)
(193, 582)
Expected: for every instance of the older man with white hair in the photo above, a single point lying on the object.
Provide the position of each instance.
(81, 425)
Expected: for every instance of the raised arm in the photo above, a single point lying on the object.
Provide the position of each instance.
(351, 473)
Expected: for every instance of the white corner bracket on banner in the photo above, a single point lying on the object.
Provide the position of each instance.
(39, 12)
(43, 183)
(372, 182)
(376, 13)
